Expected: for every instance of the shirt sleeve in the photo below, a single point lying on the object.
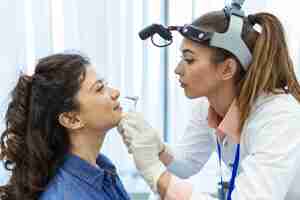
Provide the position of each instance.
(197, 144)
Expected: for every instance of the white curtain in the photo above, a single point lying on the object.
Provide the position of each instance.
(107, 31)
(24, 36)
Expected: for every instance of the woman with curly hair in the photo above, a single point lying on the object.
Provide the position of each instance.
(56, 123)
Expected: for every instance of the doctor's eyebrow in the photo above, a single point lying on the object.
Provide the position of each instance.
(184, 51)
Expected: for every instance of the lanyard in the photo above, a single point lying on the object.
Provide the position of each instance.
(234, 170)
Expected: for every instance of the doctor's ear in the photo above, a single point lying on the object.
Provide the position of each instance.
(226, 70)
(70, 120)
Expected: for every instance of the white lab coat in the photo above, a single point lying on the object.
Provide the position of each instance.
(269, 155)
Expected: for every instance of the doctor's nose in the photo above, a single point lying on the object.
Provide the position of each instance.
(179, 69)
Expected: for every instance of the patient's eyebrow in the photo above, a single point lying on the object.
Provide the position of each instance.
(99, 81)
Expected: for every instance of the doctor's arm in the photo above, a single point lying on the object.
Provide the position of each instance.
(194, 148)
(146, 156)
(267, 171)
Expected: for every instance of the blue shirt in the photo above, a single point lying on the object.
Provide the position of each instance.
(77, 179)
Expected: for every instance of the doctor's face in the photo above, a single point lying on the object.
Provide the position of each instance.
(197, 73)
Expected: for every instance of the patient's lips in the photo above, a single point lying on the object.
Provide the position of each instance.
(118, 107)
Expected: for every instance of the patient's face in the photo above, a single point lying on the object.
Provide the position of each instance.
(99, 106)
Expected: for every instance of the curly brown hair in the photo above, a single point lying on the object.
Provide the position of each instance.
(34, 143)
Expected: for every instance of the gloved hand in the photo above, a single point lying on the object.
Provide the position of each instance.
(145, 144)
(137, 120)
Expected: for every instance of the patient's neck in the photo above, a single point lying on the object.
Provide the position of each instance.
(87, 145)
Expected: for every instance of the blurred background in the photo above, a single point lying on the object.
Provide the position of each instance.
(107, 31)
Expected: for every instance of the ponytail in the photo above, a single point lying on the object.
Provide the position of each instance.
(271, 68)
(12, 143)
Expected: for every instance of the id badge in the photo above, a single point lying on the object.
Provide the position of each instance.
(223, 191)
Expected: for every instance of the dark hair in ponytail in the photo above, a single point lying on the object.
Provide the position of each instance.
(33, 144)
(271, 68)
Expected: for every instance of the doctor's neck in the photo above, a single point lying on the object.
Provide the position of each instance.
(222, 99)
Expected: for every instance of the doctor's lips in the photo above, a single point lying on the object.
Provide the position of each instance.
(183, 85)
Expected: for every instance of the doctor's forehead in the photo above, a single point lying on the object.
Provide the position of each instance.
(187, 46)
(190, 47)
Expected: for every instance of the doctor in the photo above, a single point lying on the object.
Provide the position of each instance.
(251, 114)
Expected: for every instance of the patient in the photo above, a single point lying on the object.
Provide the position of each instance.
(56, 123)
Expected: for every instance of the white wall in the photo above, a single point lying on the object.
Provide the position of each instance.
(11, 52)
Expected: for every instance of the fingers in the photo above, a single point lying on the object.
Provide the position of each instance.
(120, 129)
(133, 119)
(129, 120)
(132, 129)
(127, 133)
(127, 142)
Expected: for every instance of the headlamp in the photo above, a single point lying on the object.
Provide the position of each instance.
(231, 40)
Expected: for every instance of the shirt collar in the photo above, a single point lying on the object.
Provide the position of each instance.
(87, 172)
(227, 125)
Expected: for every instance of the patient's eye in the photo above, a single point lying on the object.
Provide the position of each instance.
(101, 84)
(99, 88)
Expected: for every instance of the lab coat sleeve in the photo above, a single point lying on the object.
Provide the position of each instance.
(197, 144)
(269, 169)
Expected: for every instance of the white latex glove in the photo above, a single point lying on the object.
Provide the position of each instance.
(126, 139)
(137, 120)
(145, 144)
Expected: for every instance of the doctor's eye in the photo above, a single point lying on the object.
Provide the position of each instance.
(187, 60)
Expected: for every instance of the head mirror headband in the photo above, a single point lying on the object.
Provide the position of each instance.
(231, 40)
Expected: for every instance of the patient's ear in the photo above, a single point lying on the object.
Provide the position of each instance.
(70, 120)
